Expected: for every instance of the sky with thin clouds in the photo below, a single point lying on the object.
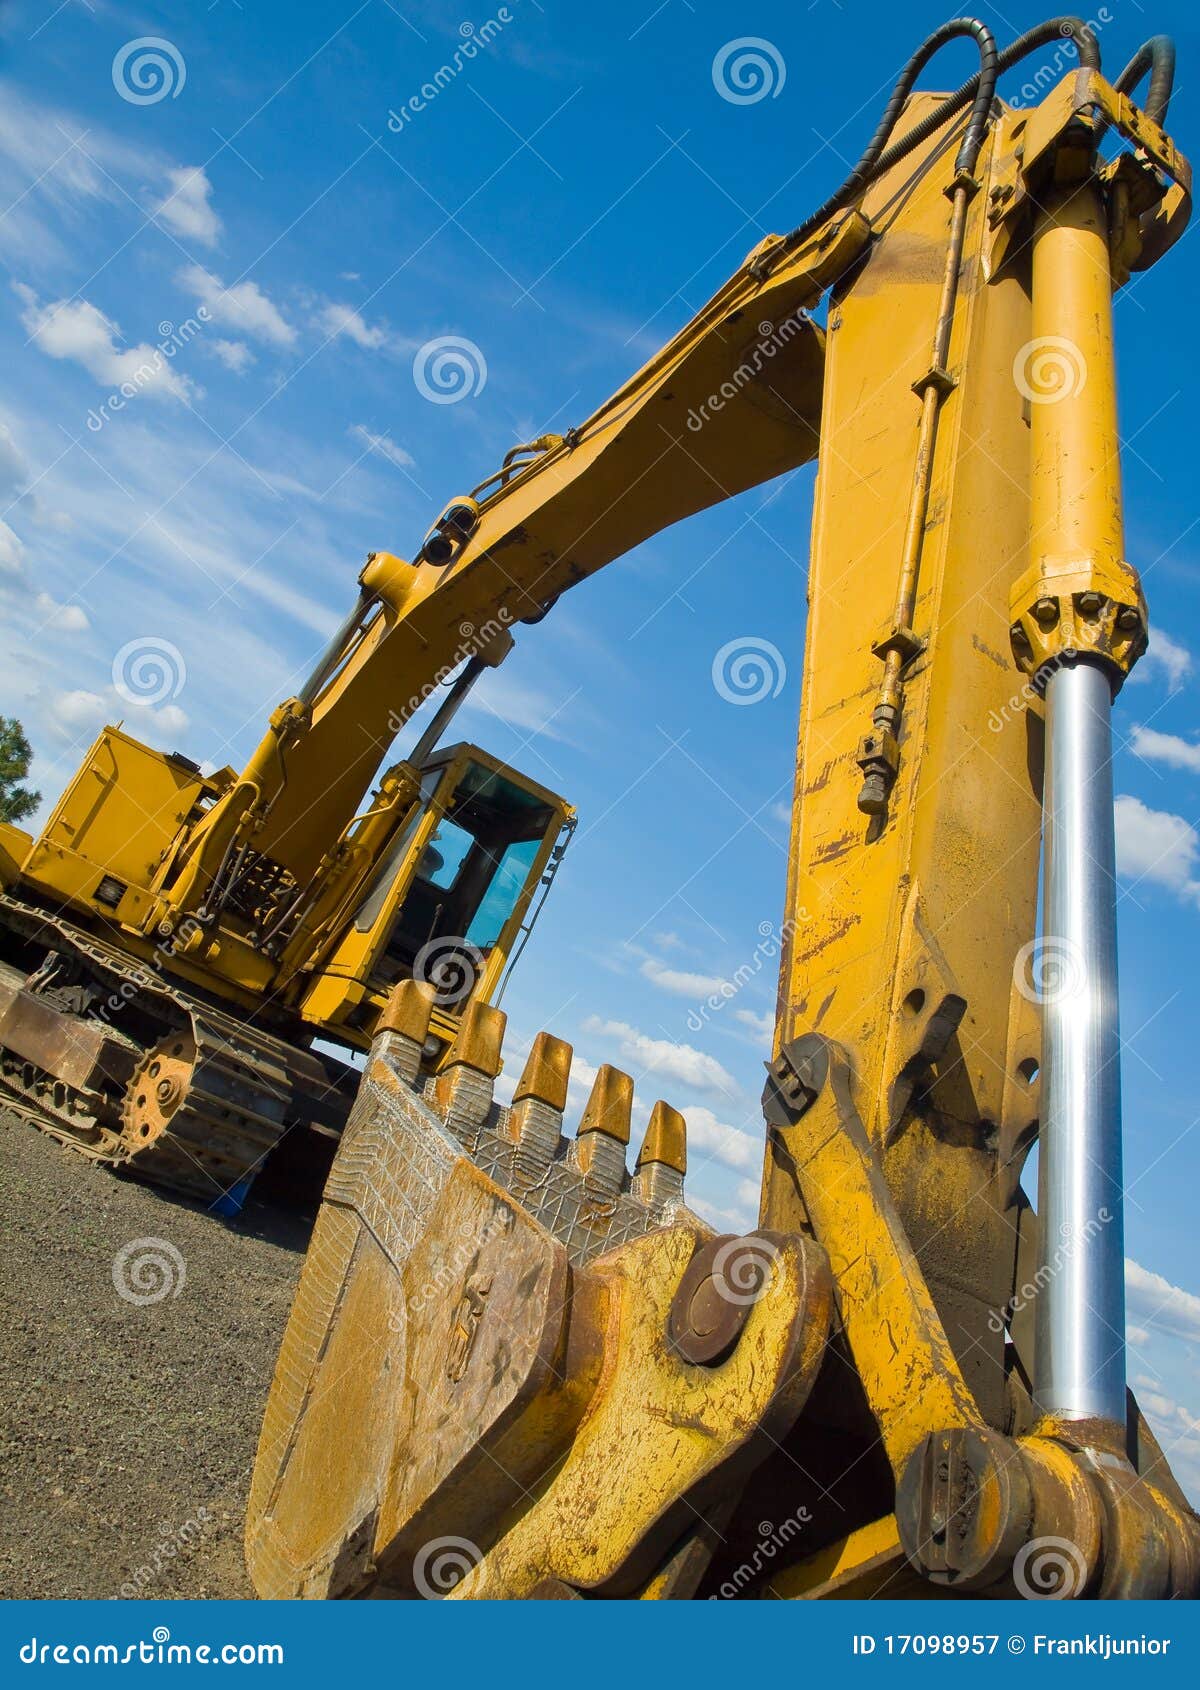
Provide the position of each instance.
(352, 298)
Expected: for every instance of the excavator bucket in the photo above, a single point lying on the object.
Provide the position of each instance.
(493, 1319)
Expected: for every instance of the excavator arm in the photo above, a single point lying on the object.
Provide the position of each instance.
(732, 401)
(514, 1368)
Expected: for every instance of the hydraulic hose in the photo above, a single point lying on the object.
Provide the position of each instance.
(1158, 57)
(978, 90)
(981, 86)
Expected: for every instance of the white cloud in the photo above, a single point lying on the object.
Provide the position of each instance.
(383, 445)
(500, 698)
(1160, 1306)
(79, 712)
(1158, 747)
(1172, 1421)
(52, 164)
(737, 1220)
(187, 208)
(12, 553)
(234, 354)
(763, 1024)
(679, 1062)
(682, 983)
(1157, 846)
(67, 618)
(1175, 1427)
(1165, 657)
(242, 306)
(710, 1138)
(16, 479)
(79, 331)
(14, 471)
(337, 320)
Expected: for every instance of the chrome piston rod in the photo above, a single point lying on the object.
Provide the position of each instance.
(1087, 594)
(1080, 1369)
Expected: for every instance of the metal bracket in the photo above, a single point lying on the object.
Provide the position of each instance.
(1085, 98)
(795, 1079)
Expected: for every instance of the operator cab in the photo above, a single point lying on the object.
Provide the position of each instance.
(488, 831)
(455, 895)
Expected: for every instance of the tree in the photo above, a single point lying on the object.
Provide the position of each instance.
(16, 801)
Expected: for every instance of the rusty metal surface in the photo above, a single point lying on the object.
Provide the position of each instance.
(83, 1054)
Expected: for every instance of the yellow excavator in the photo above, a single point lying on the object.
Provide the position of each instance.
(172, 945)
(514, 1368)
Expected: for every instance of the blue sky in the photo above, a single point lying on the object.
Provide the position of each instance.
(297, 228)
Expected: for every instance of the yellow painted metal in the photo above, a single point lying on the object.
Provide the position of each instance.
(904, 1361)
(936, 550)
(657, 1430)
(725, 405)
(129, 807)
(1078, 593)
(906, 925)
(477, 1348)
(866, 1562)
(14, 848)
(340, 990)
(895, 920)
(124, 810)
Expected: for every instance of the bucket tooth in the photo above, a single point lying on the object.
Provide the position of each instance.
(462, 1093)
(599, 1150)
(534, 1123)
(403, 1027)
(662, 1160)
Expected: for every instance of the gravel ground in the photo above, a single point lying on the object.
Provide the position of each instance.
(127, 1430)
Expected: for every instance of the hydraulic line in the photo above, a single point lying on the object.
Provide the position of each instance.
(1158, 57)
(879, 754)
(875, 162)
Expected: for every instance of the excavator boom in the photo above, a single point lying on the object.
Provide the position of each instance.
(515, 1368)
